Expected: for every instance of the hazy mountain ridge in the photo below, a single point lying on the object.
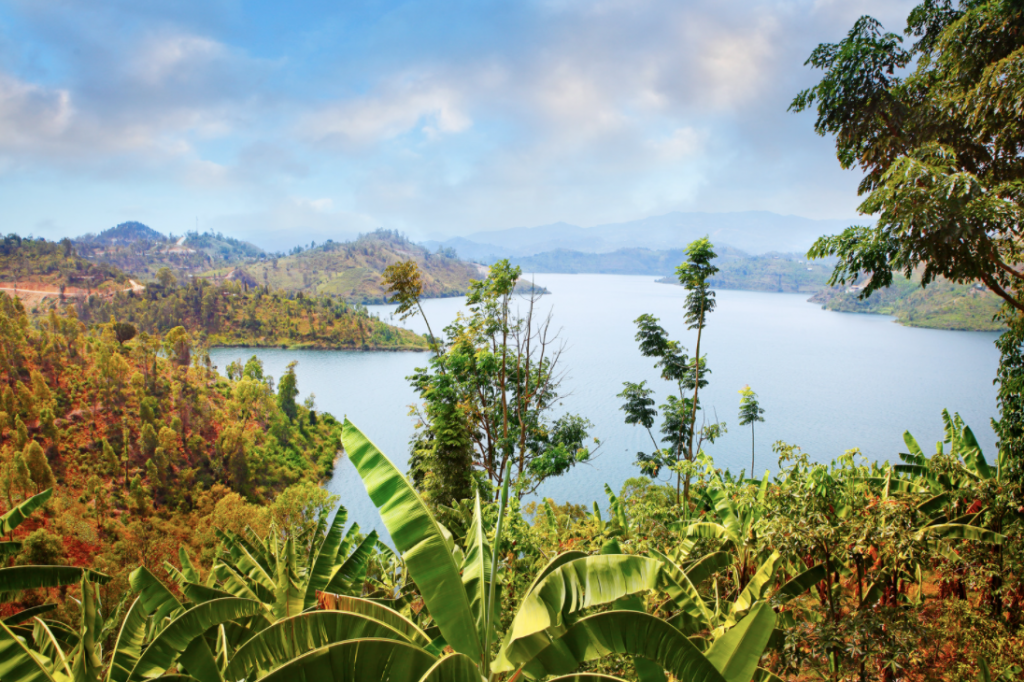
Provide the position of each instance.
(754, 232)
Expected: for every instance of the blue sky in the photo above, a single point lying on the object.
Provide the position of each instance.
(285, 122)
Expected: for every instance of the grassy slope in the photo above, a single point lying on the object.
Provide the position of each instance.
(352, 270)
(940, 305)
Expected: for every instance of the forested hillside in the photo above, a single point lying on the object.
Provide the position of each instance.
(352, 270)
(147, 447)
(232, 314)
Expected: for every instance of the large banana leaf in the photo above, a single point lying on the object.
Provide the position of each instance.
(18, 578)
(360, 660)
(322, 566)
(623, 632)
(419, 538)
(556, 562)
(290, 638)
(19, 664)
(454, 668)
(290, 592)
(803, 582)
(365, 607)
(29, 613)
(683, 592)
(476, 569)
(349, 575)
(570, 588)
(50, 649)
(130, 640)
(736, 653)
(157, 601)
(727, 513)
(14, 518)
(175, 639)
(87, 665)
(752, 592)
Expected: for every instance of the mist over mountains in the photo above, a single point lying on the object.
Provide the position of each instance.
(754, 232)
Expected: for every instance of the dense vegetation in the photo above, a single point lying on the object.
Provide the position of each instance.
(119, 446)
(147, 446)
(56, 265)
(231, 314)
(352, 270)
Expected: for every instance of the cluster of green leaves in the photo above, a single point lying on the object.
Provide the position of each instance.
(490, 391)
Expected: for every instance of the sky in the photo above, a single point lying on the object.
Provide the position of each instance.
(285, 122)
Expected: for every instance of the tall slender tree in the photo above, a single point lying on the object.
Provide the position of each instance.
(750, 412)
(700, 300)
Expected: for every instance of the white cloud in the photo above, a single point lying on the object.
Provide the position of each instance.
(401, 106)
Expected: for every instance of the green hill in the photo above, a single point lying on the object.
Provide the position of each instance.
(141, 251)
(940, 305)
(232, 314)
(352, 270)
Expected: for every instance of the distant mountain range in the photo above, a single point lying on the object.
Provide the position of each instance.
(754, 232)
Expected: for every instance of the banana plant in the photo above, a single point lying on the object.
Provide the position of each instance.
(158, 634)
(551, 633)
(285, 575)
(15, 517)
(734, 527)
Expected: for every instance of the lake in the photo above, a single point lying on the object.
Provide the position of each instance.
(827, 381)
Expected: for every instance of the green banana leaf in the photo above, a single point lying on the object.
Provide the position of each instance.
(684, 594)
(623, 632)
(19, 664)
(727, 513)
(365, 607)
(188, 569)
(418, 537)
(17, 578)
(175, 640)
(586, 677)
(290, 638)
(290, 592)
(736, 653)
(752, 592)
(476, 569)
(454, 668)
(360, 660)
(349, 575)
(130, 640)
(572, 587)
(157, 601)
(49, 647)
(803, 582)
(15, 517)
(326, 556)
(31, 612)
(556, 562)
(87, 665)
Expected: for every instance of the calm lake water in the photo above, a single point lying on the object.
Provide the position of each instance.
(827, 381)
